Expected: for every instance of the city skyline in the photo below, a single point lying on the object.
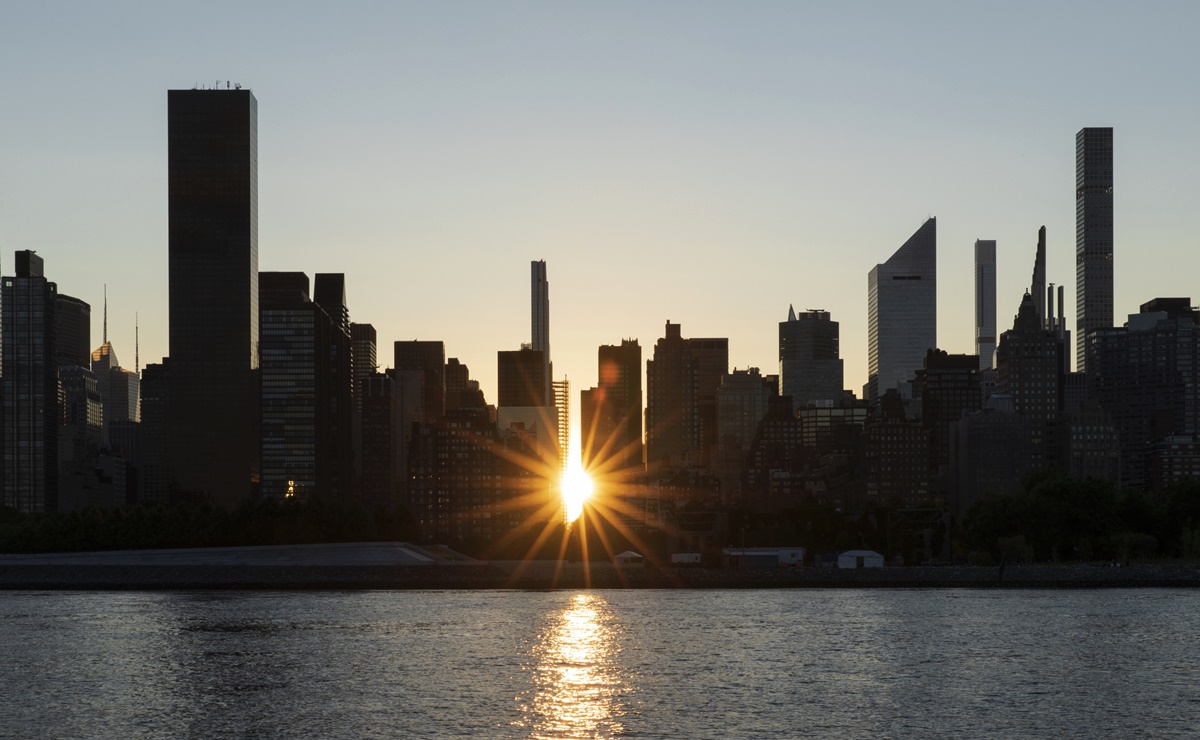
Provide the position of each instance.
(751, 189)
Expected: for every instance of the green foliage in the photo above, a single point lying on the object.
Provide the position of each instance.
(1062, 517)
(154, 526)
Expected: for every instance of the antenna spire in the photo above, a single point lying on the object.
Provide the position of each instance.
(137, 365)
(106, 313)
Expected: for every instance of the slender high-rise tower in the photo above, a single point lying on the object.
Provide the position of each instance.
(540, 315)
(212, 156)
(985, 302)
(902, 311)
(1037, 288)
(1093, 236)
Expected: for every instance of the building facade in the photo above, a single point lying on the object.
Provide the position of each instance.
(902, 311)
(1093, 236)
(810, 365)
(29, 388)
(212, 162)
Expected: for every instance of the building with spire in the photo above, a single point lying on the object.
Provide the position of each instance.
(902, 311)
(810, 366)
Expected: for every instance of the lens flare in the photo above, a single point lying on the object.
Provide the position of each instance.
(576, 488)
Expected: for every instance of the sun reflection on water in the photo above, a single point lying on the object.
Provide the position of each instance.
(577, 683)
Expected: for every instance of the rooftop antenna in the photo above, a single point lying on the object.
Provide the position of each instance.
(106, 313)
(137, 365)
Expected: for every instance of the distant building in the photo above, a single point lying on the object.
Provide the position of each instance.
(29, 388)
(902, 311)
(985, 302)
(154, 479)
(379, 431)
(1146, 375)
(611, 413)
(363, 356)
(329, 292)
(304, 393)
(989, 454)
(428, 357)
(742, 400)
(1093, 236)
(810, 367)
(1029, 366)
(74, 329)
(1172, 459)
(540, 327)
(681, 406)
(212, 203)
(521, 378)
(948, 386)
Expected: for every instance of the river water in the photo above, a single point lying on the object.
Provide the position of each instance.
(640, 664)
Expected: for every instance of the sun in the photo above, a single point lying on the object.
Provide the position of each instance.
(576, 488)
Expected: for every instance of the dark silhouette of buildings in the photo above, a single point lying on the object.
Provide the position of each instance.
(29, 388)
(611, 413)
(380, 429)
(429, 359)
(212, 155)
(154, 475)
(1146, 375)
(902, 311)
(329, 292)
(305, 390)
(742, 402)
(948, 387)
(1093, 236)
(681, 399)
(1029, 366)
(810, 366)
(521, 379)
(74, 330)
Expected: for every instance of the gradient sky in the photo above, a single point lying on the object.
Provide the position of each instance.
(707, 163)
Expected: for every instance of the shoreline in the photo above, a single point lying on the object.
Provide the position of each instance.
(483, 576)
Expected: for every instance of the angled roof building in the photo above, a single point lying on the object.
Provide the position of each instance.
(902, 311)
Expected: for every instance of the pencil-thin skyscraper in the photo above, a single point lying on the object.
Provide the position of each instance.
(540, 315)
(1093, 236)
(985, 302)
(212, 156)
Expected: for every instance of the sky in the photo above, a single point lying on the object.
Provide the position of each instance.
(703, 163)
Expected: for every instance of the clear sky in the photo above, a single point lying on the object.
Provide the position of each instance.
(707, 163)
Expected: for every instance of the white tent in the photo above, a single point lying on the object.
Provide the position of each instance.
(860, 559)
(629, 558)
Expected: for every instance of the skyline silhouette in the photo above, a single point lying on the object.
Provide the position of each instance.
(707, 177)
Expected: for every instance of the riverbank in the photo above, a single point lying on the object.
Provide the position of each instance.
(404, 566)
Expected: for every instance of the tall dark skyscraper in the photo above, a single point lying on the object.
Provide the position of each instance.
(1093, 236)
(985, 302)
(212, 154)
(29, 387)
(74, 332)
(539, 298)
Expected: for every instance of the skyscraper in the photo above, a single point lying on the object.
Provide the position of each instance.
(1037, 287)
(610, 419)
(810, 368)
(985, 302)
(212, 154)
(902, 311)
(74, 331)
(29, 381)
(540, 317)
(1093, 236)
(681, 399)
